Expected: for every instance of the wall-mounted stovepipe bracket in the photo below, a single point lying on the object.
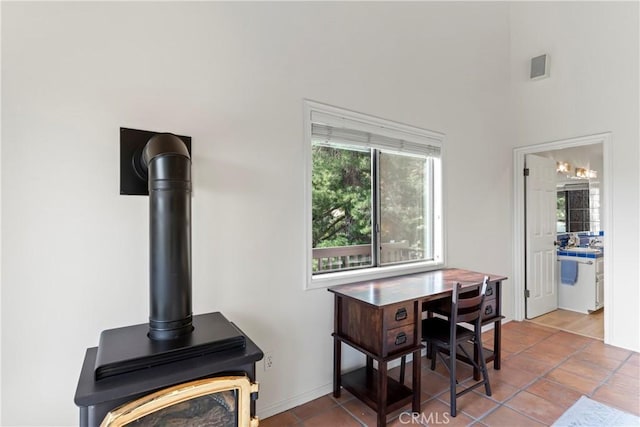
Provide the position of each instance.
(133, 173)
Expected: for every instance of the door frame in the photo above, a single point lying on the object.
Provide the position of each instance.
(519, 254)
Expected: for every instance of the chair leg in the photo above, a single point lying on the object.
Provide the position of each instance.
(402, 369)
(452, 379)
(476, 357)
(483, 366)
(434, 354)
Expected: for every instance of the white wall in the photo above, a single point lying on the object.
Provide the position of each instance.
(232, 76)
(593, 87)
(1, 245)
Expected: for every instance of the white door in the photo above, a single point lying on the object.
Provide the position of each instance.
(540, 212)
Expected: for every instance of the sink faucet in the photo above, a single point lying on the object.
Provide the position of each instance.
(574, 240)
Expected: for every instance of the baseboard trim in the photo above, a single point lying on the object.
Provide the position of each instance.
(292, 402)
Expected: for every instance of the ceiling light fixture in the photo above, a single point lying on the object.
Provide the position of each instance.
(563, 167)
(584, 173)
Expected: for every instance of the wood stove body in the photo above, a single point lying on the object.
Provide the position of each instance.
(175, 347)
(96, 398)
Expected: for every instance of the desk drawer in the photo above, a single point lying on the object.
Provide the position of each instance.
(399, 314)
(491, 290)
(399, 338)
(490, 308)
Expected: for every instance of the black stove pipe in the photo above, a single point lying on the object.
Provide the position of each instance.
(169, 170)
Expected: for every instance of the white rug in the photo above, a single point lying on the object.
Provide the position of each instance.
(589, 413)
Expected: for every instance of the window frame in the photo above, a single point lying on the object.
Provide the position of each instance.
(313, 113)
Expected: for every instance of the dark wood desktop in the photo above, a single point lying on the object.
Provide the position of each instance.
(382, 319)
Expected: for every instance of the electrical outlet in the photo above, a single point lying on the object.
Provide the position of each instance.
(268, 361)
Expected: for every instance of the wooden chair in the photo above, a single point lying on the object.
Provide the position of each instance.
(448, 336)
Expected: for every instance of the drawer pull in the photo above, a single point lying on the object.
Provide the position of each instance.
(401, 338)
(489, 291)
(401, 314)
(488, 310)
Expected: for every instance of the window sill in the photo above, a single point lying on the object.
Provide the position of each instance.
(326, 280)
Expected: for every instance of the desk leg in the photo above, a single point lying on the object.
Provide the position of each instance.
(415, 407)
(497, 339)
(382, 393)
(337, 359)
(371, 379)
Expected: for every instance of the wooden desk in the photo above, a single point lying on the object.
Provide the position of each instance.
(382, 319)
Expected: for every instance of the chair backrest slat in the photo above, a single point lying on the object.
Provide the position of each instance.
(467, 309)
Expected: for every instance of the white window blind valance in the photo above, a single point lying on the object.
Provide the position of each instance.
(330, 136)
(327, 129)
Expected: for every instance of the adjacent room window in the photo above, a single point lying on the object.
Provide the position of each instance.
(375, 197)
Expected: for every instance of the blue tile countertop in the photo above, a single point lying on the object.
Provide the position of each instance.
(581, 252)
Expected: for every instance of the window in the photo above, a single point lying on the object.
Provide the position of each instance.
(561, 212)
(374, 194)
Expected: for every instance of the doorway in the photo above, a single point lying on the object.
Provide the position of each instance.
(520, 232)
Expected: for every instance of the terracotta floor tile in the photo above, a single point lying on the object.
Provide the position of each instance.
(528, 337)
(570, 340)
(507, 417)
(514, 326)
(600, 348)
(554, 393)
(361, 411)
(598, 359)
(432, 383)
(634, 359)
(630, 369)
(535, 407)
(512, 376)
(525, 363)
(345, 396)
(435, 412)
(405, 418)
(626, 382)
(542, 330)
(585, 369)
(618, 397)
(548, 352)
(530, 326)
(463, 371)
(283, 419)
(336, 417)
(472, 404)
(505, 355)
(314, 407)
(513, 346)
(573, 381)
(500, 390)
(550, 347)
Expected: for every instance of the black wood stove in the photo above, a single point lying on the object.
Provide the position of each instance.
(174, 347)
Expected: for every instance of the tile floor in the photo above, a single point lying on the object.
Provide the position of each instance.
(590, 325)
(544, 371)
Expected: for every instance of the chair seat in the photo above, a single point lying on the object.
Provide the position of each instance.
(437, 329)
